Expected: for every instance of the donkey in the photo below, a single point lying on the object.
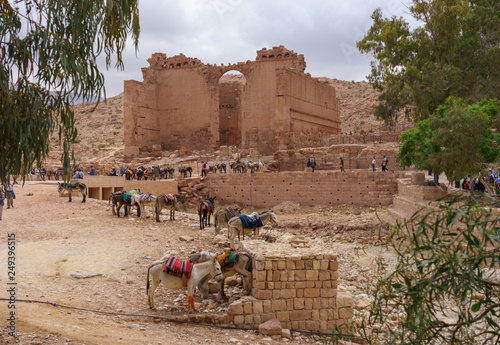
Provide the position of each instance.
(205, 210)
(143, 200)
(210, 269)
(231, 262)
(184, 170)
(222, 216)
(221, 167)
(123, 198)
(62, 187)
(165, 200)
(239, 224)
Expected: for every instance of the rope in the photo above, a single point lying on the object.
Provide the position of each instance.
(167, 318)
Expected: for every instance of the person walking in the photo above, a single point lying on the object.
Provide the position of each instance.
(2, 198)
(203, 171)
(342, 165)
(313, 165)
(385, 161)
(373, 164)
(10, 196)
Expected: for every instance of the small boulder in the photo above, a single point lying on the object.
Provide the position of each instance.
(231, 281)
(186, 238)
(271, 327)
(83, 274)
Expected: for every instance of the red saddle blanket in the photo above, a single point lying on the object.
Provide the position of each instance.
(178, 268)
(169, 197)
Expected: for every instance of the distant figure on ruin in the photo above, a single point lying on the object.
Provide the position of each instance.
(92, 170)
(342, 165)
(373, 163)
(385, 162)
(313, 164)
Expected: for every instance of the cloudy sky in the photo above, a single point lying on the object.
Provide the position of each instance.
(230, 31)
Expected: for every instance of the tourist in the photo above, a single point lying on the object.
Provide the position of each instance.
(466, 184)
(2, 198)
(342, 165)
(203, 171)
(207, 169)
(92, 170)
(373, 164)
(10, 196)
(79, 174)
(385, 161)
(43, 173)
(313, 165)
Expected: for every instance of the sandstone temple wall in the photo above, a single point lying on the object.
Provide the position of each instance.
(181, 103)
(262, 190)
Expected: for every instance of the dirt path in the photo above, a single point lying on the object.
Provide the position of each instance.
(56, 239)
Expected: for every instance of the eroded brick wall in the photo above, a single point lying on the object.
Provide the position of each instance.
(263, 190)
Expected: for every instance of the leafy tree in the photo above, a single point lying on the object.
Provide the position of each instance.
(456, 139)
(48, 58)
(455, 52)
(445, 287)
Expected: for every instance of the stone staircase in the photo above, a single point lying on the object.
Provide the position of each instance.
(412, 196)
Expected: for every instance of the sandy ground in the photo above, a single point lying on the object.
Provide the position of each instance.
(54, 238)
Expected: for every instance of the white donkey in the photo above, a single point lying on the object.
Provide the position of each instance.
(254, 223)
(209, 268)
(142, 200)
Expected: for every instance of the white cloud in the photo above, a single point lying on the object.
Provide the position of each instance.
(223, 31)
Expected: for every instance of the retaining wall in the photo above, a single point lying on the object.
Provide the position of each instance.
(100, 187)
(363, 188)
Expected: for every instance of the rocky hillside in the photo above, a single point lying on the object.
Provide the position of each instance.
(100, 128)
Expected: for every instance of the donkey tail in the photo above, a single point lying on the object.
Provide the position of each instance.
(147, 281)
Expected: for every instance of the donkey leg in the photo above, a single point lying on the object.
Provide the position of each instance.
(158, 210)
(69, 194)
(152, 289)
(222, 294)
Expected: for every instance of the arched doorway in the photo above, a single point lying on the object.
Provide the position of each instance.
(231, 91)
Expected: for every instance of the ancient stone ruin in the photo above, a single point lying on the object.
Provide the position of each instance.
(182, 104)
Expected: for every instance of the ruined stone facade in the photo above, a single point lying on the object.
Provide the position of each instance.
(181, 102)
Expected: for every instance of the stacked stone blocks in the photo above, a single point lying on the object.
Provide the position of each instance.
(300, 291)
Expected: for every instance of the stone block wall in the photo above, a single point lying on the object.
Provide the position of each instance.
(421, 193)
(299, 289)
(262, 190)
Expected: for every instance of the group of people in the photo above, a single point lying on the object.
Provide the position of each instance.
(384, 165)
(311, 163)
(205, 168)
(9, 196)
